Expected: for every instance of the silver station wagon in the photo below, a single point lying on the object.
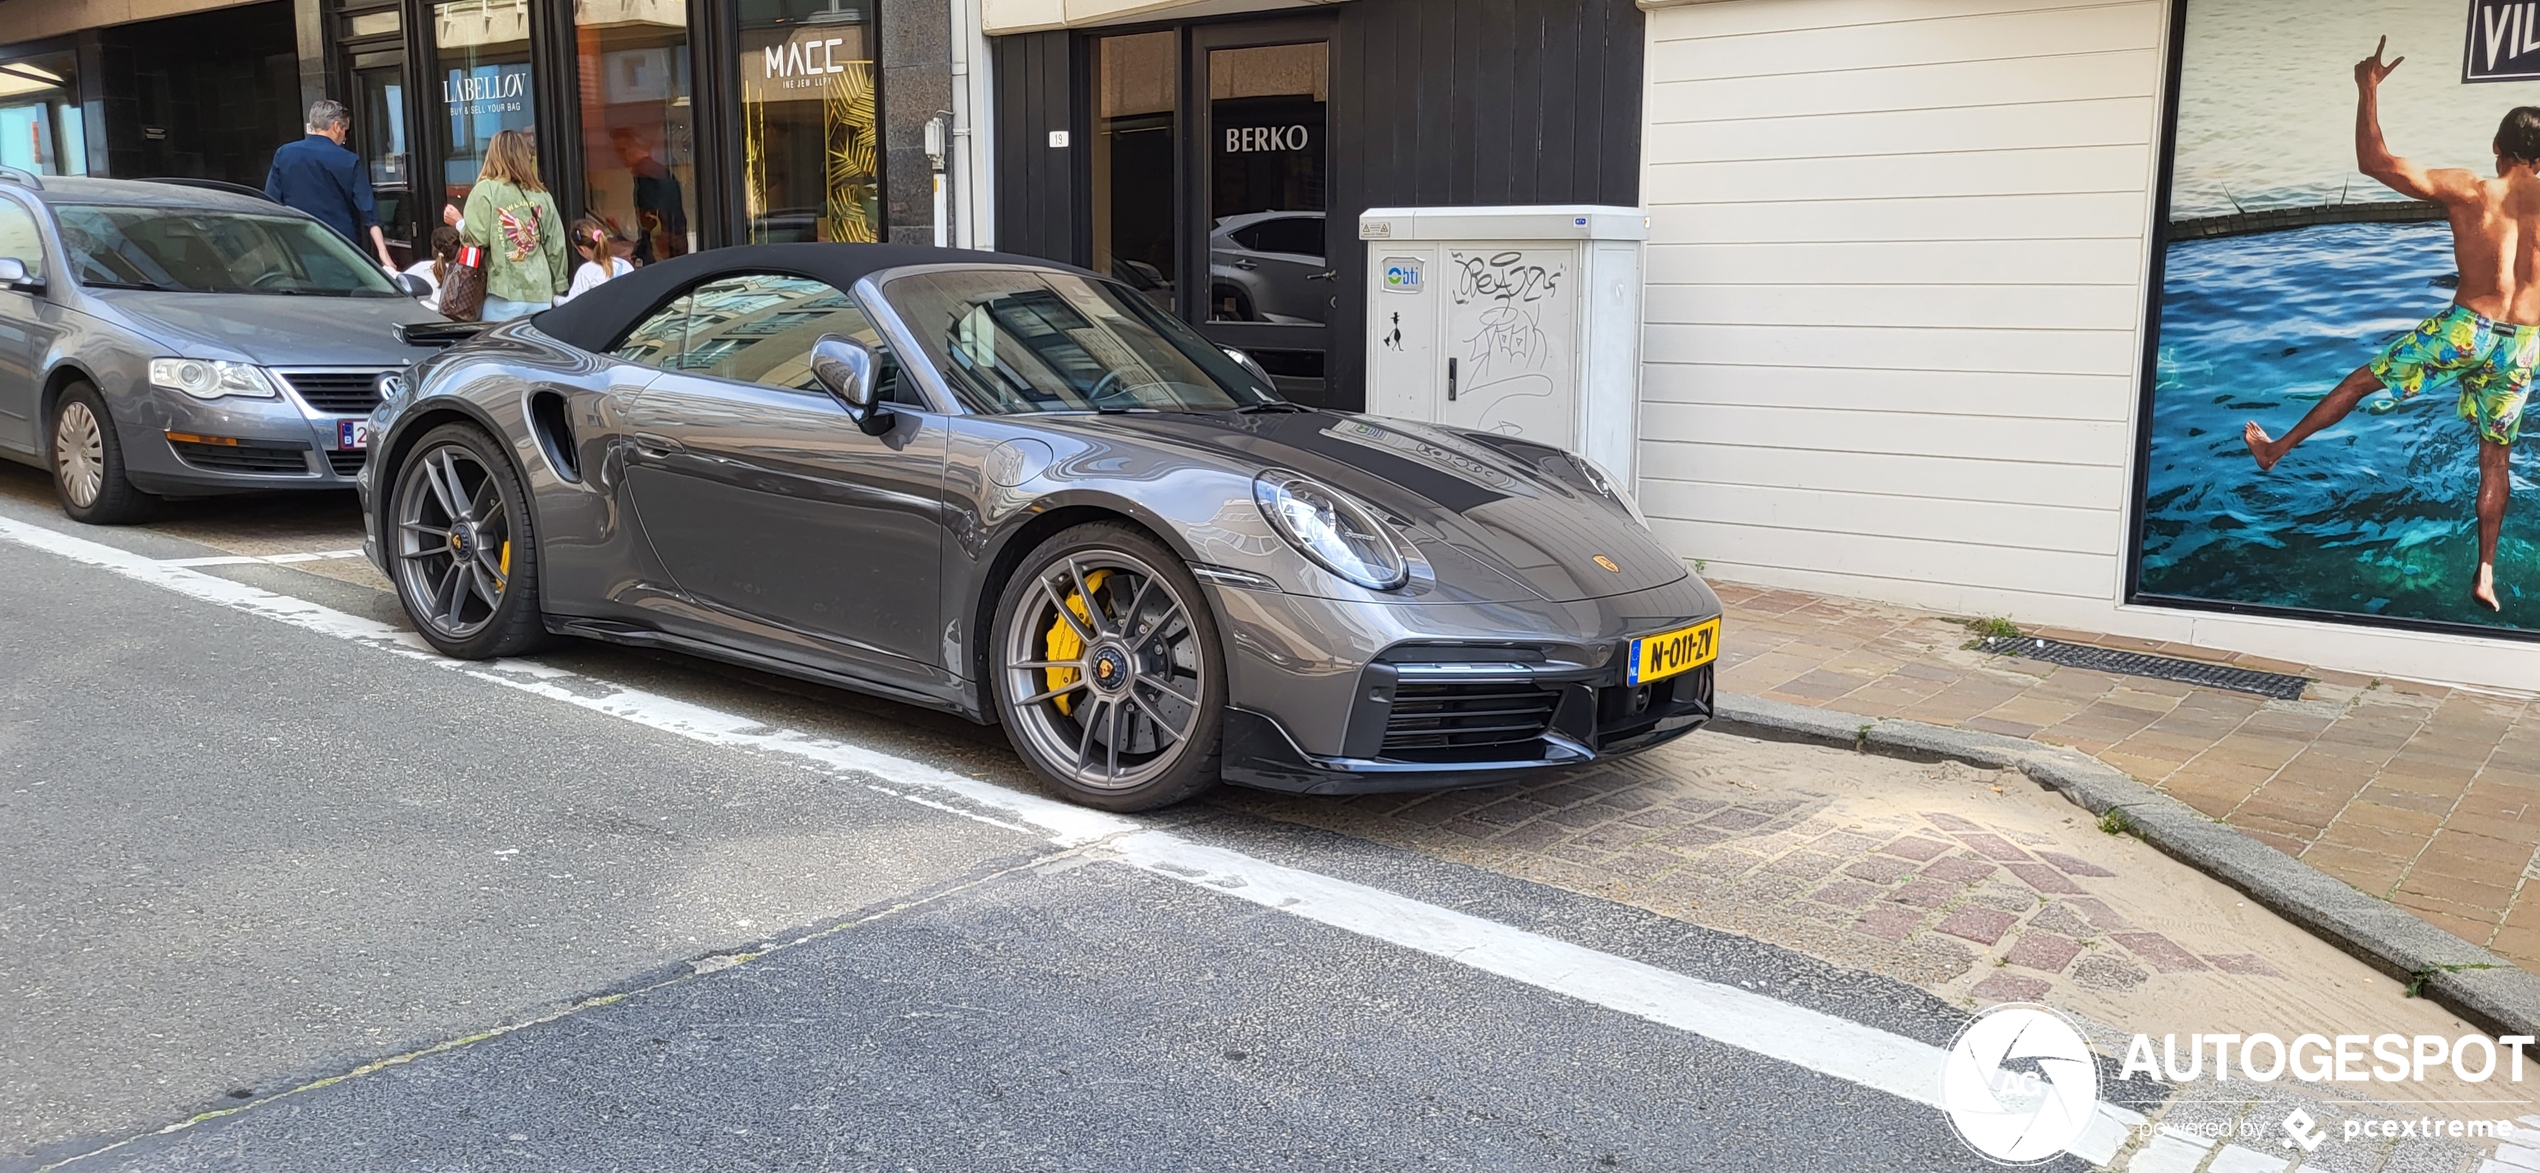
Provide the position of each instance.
(162, 339)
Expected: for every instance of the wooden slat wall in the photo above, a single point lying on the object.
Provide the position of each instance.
(1895, 293)
(1465, 102)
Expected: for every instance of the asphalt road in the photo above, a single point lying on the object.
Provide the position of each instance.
(619, 911)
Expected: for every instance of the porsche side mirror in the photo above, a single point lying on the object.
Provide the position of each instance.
(1249, 363)
(850, 372)
(411, 285)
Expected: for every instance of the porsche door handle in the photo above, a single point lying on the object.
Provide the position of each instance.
(657, 447)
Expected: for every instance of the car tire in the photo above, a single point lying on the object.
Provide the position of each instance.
(86, 456)
(1118, 703)
(462, 546)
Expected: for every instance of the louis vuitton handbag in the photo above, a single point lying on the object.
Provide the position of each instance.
(463, 288)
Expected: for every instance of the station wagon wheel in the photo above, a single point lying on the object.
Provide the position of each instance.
(87, 458)
(1108, 674)
(465, 565)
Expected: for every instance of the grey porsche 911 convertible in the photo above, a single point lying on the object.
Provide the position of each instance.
(1019, 492)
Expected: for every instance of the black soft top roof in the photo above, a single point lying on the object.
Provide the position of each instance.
(602, 316)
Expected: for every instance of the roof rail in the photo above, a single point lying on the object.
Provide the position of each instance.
(21, 177)
(236, 189)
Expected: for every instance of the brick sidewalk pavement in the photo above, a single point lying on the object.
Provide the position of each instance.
(2418, 794)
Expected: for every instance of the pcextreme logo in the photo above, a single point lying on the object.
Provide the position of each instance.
(2020, 1085)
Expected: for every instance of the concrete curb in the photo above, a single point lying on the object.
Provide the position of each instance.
(2494, 994)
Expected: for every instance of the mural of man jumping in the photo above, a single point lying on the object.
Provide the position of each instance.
(2488, 342)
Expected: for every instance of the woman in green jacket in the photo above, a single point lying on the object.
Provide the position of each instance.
(511, 216)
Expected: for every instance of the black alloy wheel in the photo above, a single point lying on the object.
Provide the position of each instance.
(466, 560)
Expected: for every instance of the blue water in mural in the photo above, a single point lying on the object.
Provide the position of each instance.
(2373, 516)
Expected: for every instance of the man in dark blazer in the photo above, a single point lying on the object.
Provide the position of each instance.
(321, 176)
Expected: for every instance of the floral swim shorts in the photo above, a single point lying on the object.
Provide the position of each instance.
(2493, 362)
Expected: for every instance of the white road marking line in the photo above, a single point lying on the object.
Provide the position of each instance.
(1810, 1039)
(265, 559)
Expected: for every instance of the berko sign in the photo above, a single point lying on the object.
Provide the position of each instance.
(2504, 41)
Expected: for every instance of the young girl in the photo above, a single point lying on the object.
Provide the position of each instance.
(600, 261)
(445, 253)
(511, 215)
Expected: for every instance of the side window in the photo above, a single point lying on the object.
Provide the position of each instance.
(1301, 235)
(19, 239)
(760, 328)
(660, 340)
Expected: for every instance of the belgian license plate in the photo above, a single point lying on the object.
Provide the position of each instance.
(352, 433)
(1657, 657)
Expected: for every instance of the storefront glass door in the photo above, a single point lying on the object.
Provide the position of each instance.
(1137, 112)
(811, 155)
(1265, 184)
(483, 59)
(638, 147)
(379, 136)
(1216, 211)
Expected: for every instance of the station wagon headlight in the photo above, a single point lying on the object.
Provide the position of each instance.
(205, 378)
(1336, 532)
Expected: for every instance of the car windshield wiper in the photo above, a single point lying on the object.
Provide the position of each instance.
(1271, 405)
(145, 287)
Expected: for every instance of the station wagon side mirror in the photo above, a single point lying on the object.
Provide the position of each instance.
(851, 372)
(13, 274)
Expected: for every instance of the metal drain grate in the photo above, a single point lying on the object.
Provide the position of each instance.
(2055, 651)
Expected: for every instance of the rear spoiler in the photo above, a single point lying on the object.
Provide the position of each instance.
(439, 333)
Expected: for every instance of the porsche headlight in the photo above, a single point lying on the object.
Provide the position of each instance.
(1336, 532)
(1610, 485)
(210, 379)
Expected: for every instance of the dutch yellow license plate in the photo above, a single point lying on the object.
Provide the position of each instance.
(1657, 657)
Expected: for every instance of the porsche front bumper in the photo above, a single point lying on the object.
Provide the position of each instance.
(1330, 697)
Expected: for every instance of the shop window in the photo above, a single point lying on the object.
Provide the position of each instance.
(1137, 104)
(638, 149)
(1266, 184)
(40, 124)
(810, 140)
(483, 57)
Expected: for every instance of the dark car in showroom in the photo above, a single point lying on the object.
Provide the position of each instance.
(1020, 492)
(171, 339)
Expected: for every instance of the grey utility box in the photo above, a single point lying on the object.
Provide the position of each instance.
(1518, 320)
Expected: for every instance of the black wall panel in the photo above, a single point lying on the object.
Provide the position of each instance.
(1038, 196)
(1434, 103)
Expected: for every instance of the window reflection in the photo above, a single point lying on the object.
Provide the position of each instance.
(1266, 184)
(484, 62)
(755, 329)
(811, 164)
(1135, 80)
(40, 124)
(639, 158)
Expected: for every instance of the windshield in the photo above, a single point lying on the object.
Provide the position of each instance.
(1021, 341)
(195, 250)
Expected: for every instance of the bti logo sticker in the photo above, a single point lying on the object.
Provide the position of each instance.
(1402, 275)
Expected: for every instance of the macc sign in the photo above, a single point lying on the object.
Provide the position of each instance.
(2503, 41)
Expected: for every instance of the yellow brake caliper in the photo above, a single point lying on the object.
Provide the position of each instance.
(1062, 642)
